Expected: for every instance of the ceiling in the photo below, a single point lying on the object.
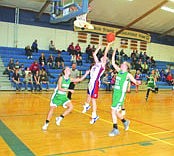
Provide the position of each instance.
(137, 14)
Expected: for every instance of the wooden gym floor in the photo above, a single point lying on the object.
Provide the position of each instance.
(151, 130)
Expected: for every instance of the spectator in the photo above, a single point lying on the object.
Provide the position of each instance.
(73, 58)
(42, 59)
(145, 68)
(21, 71)
(169, 79)
(106, 81)
(28, 80)
(52, 46)
(16, 80)
(153, 63)
(78, 48)
(162, 76)
(79, 59)
(74, 74)
(34, 67)
(50, 61)
(59, 61)
(138, 66)
(37, 81)
(44, 78)
(10, 68)
(17, 65)
(34, 46)
(71, 49)
(28, 52)
(88, 52)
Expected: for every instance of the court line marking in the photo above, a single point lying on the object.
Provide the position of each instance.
(14, 143)
(135, 131)
(160, 132)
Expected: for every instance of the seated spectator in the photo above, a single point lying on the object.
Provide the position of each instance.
(50, 61)
(71, 49)
(145, 68)
(37, 83)
(88, 51)
(10, 68)
(34, 67)
(42, 59)
(162, 76)
(52, 46)
(79, 59)
(17, 65)
(21, 71)
(73, 58)
(106, 81)
(59, 61)
(28, 80)
(44, 78)
(34, 46)
(157, 74)
(78, 48)
(16, 80)
(28, 52)
(138, 66)
(169, 79)
(153, 63)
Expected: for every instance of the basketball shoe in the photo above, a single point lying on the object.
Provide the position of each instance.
(58, 120)
(126, 125)
(114, 132)
(93, 120)
(86, 107)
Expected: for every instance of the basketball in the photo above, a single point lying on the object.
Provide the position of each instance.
(110, 37)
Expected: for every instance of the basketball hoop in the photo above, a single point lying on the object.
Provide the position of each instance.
(81, 22)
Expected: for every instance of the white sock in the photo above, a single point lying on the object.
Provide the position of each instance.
(94, 114)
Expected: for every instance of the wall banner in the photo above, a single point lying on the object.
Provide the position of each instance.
(126, 33)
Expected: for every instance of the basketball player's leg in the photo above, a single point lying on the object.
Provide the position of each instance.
(95, 117)
(50, 113)
(117, 104)
(147, 93)
(67, 104)
(87, 106)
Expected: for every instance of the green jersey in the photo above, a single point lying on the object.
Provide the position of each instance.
(121, 82)
(120, 89)
(59, 97)
(151, 81)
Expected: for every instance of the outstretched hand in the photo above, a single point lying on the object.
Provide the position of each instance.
(87, 72)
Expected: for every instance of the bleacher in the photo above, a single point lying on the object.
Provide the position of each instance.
(19, 54)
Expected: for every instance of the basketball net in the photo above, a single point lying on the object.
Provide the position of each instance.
(81, 21)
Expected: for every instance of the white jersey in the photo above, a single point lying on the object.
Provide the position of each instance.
(96, 72)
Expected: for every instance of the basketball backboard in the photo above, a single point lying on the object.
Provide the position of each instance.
(64, 10)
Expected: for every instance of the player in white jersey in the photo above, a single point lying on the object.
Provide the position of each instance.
(93, 87)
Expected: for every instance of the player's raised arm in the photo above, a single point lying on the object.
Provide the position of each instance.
(107, 49)
(113, 61)
(95, 54)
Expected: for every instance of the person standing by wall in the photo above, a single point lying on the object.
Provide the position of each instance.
(74, 75)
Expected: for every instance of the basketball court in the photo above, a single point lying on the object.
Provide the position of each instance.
(23, 114)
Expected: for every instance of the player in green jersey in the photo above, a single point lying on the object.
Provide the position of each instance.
(59, 97)
(151, 84)
(122, 80)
